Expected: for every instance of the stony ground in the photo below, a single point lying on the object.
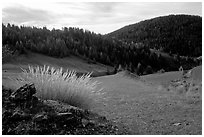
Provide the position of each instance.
(25, 114)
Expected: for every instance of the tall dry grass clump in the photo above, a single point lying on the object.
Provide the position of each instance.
(54, 84)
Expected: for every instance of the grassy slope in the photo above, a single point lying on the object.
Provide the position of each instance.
(12, 68)
(72, 62)
(146, 109)
(163, 79)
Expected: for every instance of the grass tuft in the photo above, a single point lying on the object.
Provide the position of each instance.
(54, 84)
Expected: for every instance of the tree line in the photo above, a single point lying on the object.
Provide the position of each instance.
(94, 47)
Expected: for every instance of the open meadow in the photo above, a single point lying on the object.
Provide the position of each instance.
(140, 105)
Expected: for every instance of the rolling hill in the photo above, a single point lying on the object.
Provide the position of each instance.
(175, 34)
(146, 106)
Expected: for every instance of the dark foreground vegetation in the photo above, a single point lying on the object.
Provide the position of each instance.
(23, 113)
(120, 52)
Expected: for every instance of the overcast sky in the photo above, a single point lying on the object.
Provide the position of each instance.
(98, 17)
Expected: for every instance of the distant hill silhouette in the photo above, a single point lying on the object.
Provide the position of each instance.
(175, 34)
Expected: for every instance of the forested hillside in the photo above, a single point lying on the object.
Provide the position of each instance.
(175, 34)
(94, 47)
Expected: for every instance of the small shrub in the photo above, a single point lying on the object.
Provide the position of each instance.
(6, 53)
(54, 84)
(161, 71)
(149, 70)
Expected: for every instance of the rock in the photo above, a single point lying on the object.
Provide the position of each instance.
(177, 124)
(23, 113)
(73, 121)
(23, 93)
(64, 115)
(19, 115)
(91, 123)
(84, 122)
(6, 115)
(40, 117)
(24, 96)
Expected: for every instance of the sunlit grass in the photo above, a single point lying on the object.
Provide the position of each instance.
(54, 84)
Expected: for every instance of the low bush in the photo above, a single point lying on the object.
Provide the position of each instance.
(54, 84)
(6, 53)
